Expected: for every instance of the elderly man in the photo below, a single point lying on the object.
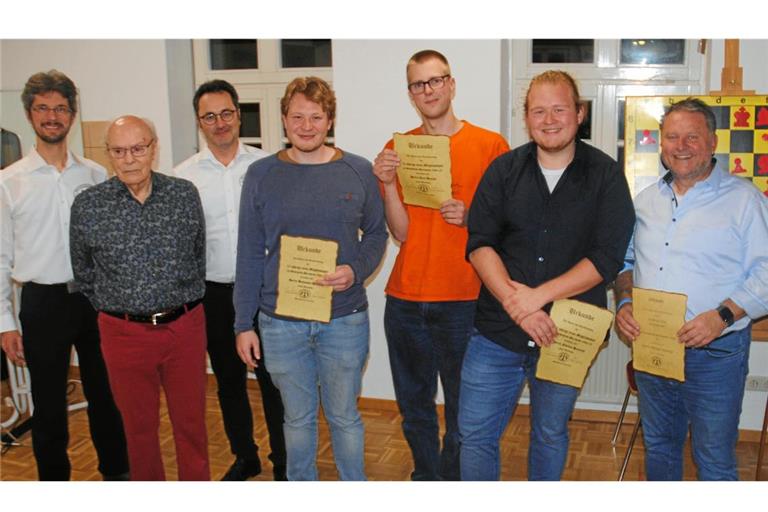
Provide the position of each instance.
(702, 232)
(218, 171)
(138, 254)
(35, 196)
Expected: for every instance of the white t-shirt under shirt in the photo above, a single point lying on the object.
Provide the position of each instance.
(552, 176)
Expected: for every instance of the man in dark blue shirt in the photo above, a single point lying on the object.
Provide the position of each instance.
(550, 220)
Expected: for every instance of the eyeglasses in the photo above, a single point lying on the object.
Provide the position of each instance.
(225, 115)
(59, 110)
(436, 82)
(137, 150)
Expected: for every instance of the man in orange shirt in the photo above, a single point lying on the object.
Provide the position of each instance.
(432, 290)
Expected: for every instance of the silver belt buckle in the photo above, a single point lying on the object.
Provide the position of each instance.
(155, 316)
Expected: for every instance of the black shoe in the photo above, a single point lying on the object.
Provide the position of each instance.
(242, 469)
(279, 473)
(122, 477)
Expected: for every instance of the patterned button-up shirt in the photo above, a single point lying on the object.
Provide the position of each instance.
(139, 258)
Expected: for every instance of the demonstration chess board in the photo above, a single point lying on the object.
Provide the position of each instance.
(742, 137)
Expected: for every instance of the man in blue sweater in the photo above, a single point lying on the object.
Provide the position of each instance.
(315, 191)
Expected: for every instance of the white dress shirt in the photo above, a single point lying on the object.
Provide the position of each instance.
(219, 188)
(35, 199)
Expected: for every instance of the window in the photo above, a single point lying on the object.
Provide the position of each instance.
(234, 54)
(260, 70)
(575, 51)
(305, 53)
(652, 51)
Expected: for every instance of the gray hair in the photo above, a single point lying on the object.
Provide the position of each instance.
(693, 106)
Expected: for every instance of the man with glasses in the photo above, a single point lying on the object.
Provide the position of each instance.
(36, 193)
(218, 172)
(138, 253)
(432, 290)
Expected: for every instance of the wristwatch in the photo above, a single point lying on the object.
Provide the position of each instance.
(725, 314)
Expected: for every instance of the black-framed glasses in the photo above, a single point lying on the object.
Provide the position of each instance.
(226, 115)
(59, 110)
(136, 150)
(436, 82)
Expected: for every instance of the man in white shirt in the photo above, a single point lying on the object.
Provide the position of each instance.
(218, 172)
(36, 194)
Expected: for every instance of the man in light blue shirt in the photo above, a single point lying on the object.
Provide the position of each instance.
(702, 232)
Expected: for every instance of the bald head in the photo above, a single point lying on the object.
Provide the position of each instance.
(131, 123)
(131, 144)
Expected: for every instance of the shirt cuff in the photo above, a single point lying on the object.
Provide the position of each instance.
(751, 306)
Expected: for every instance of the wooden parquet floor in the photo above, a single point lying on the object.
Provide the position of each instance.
(387, 457)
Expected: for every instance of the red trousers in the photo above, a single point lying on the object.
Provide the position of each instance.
(140, 359)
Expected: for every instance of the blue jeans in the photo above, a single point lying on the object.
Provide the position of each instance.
(492, 379)
(302, 355)
(709, 401)
(426, 339)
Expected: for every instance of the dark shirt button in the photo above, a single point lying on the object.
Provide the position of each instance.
(661, 268)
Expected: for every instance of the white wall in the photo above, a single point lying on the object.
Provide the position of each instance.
(369, 80)
(752, 59)
(114, 77)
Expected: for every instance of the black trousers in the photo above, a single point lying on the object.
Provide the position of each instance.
(231, 376)
(52, 321)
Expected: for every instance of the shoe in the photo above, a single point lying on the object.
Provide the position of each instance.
(280, 473)
(121, 477)
(241, 470)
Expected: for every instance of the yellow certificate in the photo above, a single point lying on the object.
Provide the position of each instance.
(425, 169)
(660, 315)
(581, 330)
(302, 262)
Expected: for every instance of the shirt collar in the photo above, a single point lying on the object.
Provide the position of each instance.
(38, 162)
(578, 156)
(120, 188)
(207, 154)
(712, 181)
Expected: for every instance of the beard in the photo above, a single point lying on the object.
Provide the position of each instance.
(52, 139)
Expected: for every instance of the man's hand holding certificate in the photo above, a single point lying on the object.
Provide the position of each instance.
(581, 330)
(425, 169)
(657, 349)
(303, 261)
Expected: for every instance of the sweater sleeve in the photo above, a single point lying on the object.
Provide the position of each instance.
(374, 238)
(249, 271)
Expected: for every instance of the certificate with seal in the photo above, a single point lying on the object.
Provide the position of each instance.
(302, 262)
(581, 330)
(660, 315)
(425, 168)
